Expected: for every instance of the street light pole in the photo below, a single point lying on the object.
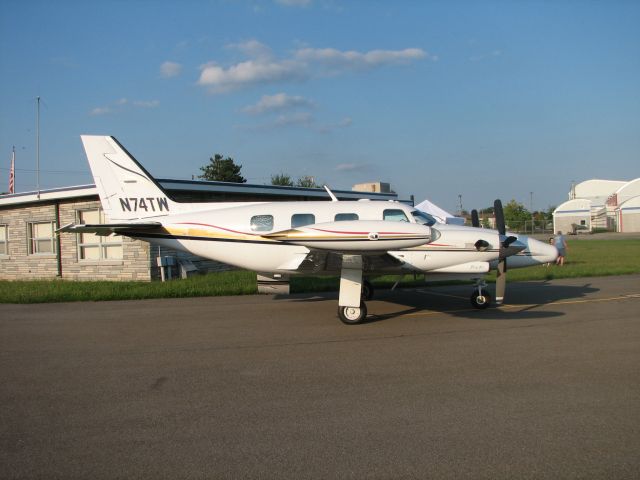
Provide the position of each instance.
(531, 208)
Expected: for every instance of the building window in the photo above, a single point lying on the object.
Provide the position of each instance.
(262, 223)
(345, 217)
(41, 238)
(395, 215)
(97, 247)
(302, 219)
(4, 240)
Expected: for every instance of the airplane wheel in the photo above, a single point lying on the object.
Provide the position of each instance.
(352, 315)
(367, 290)
(480, 301)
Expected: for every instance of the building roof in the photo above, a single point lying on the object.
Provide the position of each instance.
(577, 206)
(181, 190)
(596, 188)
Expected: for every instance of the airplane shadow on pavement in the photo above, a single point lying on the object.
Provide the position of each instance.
(523, 301)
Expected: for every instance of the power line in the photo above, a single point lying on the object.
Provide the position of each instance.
(47, 171)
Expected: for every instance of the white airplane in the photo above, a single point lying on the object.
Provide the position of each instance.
(349, 238)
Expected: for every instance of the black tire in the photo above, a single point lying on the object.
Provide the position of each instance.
(352, 315)
(480, 301)
(367, 290)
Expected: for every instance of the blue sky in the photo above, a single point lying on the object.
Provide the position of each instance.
(485, 99)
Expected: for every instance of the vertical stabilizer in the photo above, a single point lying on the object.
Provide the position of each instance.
(127, 191)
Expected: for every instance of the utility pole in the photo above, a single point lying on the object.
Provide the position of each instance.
(38, 145)
(531, 210)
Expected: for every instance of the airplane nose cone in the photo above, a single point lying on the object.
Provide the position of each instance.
(543, 252)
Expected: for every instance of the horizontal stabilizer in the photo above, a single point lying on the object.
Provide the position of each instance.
(108, 228)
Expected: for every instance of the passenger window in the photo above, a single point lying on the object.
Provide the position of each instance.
(343, 217)
(262, 223)
(394, 215)
(302, 219)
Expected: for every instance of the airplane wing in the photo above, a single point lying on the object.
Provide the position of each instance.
(327, 262)
(105, 229)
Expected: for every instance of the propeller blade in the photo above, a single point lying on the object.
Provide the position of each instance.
(499, 214)
(501, 281)
(475, 221)
(508, 241)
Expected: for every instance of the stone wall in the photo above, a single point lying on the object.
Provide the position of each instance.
(18, 264)
(138, 257)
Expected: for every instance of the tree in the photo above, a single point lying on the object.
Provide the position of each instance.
(222, 170)
(515, 214)
(307, 182)
(282, 179)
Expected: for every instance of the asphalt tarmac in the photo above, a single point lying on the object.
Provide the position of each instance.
(547, 386)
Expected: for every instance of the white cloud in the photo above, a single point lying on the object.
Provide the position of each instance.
(485, 56)
(278, 102)
(294, 3)
(245, 74)
(352, 60)
(352, 167)
(100, 111)
(146, 103)
(262, 68)
(304, 119)
(170, 69)
(330, 127)
(253, 49)
(122, 104)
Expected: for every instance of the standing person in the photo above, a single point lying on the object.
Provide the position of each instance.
(552, 241)
(561, 245)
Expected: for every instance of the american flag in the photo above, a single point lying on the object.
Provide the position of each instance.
(12, 173)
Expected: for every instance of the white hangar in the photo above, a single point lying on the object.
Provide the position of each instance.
(600, 204)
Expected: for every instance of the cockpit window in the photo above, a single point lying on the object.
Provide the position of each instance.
(394, 215)
(423, 218)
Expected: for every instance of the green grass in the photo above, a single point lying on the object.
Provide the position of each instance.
(584, 259)
(236, 282)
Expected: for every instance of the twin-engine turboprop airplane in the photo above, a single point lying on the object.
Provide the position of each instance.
(349, 238)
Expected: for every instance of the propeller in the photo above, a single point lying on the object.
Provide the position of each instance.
(505, 242)
(475, 220)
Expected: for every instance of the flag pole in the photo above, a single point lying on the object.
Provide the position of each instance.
(12, 172)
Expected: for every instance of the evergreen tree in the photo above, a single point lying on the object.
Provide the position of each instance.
(222, 170)
(282, 179)
(307, 181)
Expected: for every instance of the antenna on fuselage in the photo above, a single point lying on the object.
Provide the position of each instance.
(333, 197)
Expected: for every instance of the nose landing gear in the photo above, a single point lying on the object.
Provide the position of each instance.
(480, 298)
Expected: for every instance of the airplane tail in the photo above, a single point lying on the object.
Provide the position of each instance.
(127, 191)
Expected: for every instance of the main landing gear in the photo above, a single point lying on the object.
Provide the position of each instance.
(352, 315)
(353, 291)
(480, 297)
